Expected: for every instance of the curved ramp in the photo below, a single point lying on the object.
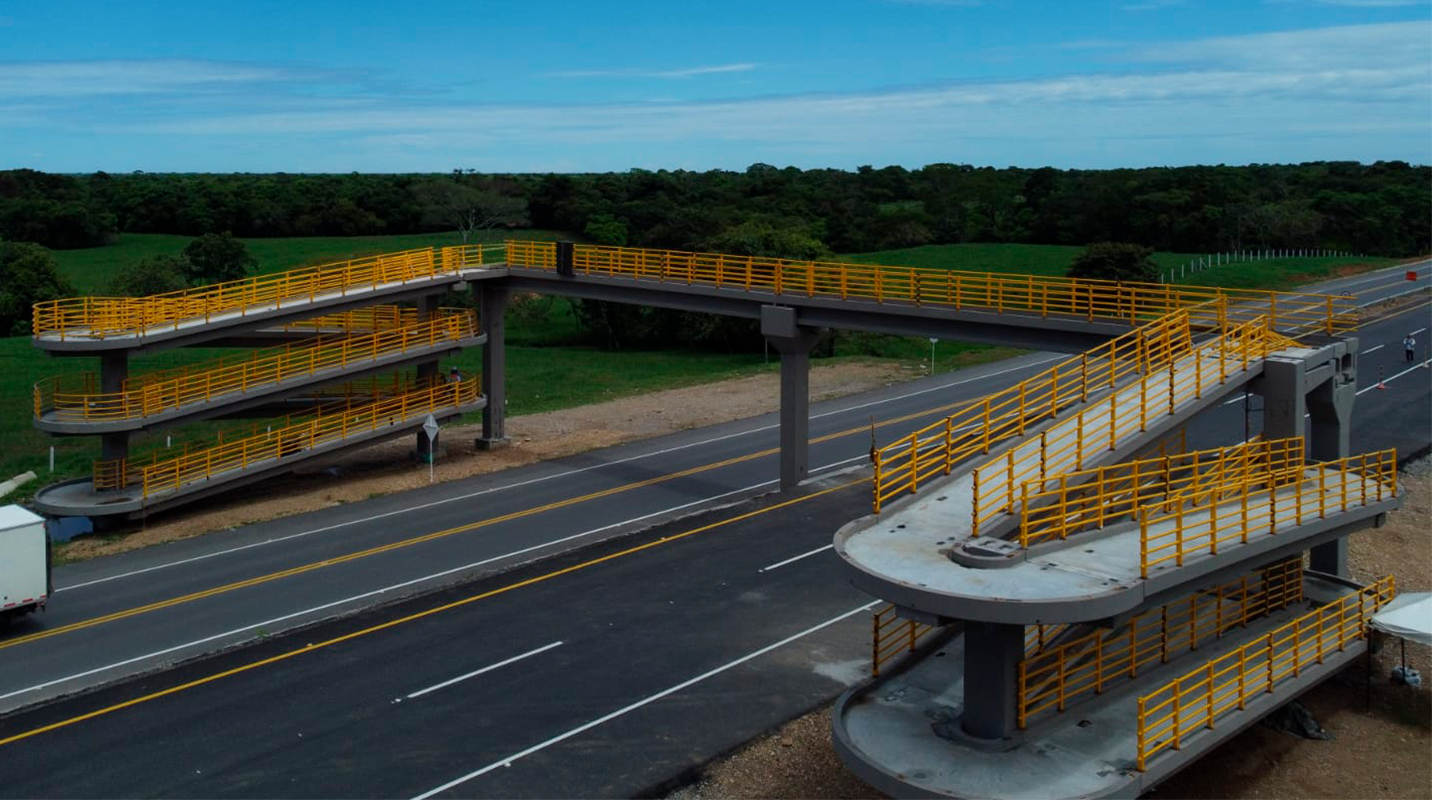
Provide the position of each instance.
(75, 405)
(190, 470)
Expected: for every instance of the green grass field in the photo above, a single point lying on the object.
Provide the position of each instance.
(1037, 259)
(92, 269)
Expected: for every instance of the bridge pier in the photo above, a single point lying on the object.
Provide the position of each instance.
(425, 450)
(492, 318)
(1330, 412)
(794, 343)
(992, 655)
(1321, 415)
(113, 371)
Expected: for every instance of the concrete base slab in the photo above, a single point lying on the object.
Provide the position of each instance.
(491, 444)
(886, 729)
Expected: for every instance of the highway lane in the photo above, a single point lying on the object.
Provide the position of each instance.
(1379, 285)
(123, 615)
(366, 716)
(119, 616)
(660, 665)
(735, 710)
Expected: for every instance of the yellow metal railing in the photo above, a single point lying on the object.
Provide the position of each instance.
(173, 468)
(1090, 499)
(1208, 518)
(892, 636)
(1180, 373)
(359, 320)
(1050, 680)
(1202, 696)
(77, 398)
(101, 317)
(934, 450)
(472, 256)
(1044, 295)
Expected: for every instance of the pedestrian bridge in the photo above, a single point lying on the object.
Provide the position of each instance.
(322, 327)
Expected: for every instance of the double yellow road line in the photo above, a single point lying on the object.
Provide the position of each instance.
(310, 648)
(429, 537)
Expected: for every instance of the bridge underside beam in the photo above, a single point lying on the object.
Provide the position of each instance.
(1032, 332)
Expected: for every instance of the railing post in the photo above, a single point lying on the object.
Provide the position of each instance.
(1142, 743)
(949, 444)
(1084, 377)
(1210, 695)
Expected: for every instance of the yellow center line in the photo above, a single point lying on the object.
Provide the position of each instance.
(308, 648)
(360, 554)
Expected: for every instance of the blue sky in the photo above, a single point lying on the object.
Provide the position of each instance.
(320, 86)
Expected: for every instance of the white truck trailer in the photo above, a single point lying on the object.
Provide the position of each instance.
(24, 563)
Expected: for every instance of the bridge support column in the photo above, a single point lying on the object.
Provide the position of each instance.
(794, 343)
(1288, 405)
(492, 316)
(1330, 411)
(1285, 404)
(423, 449)
(992, 655)
(113, 370)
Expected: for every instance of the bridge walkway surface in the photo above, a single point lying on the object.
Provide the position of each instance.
(1042, 508)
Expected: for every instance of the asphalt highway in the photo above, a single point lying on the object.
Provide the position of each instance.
(600, 671)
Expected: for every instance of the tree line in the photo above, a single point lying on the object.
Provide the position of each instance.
(1376, 209)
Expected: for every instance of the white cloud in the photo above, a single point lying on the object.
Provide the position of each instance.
(118, 77)
(1330, 93)
(689, 72)
(1380, 46)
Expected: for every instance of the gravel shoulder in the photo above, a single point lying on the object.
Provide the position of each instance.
(1381, 752)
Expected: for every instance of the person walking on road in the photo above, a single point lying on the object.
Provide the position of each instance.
(1409, 346)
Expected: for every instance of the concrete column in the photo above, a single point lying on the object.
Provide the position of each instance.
(794, 343)
(423, 450)
(113, 370)
(1284, 400)
(494, 367)
(992, 655)
(1330, 409)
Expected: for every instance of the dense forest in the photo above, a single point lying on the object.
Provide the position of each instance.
(1378, 209)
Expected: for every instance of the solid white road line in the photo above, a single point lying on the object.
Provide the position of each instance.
(476, 672)
(1419, 330)
(1412, 368)
(518, 484)
(1372, 349)
(250, 628)
(507, 762)
(780, 564)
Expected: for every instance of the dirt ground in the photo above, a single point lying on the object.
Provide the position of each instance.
(387, 468)
(1385, 752)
